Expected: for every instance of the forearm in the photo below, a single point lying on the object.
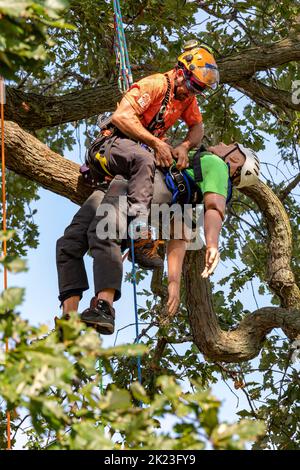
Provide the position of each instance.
(175, 252)
(212, 227)
(194, 136)
(132, 127)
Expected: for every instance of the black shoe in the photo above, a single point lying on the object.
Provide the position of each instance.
(145, 253)
(100, 315)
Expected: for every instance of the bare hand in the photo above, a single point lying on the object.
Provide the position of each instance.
(212, 257)
(163, 154)
(174, 297)
(180, 154)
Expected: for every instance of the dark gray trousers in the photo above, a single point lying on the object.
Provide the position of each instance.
(81, 236)
(129, 159)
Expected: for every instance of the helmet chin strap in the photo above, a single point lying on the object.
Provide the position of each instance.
(230, 151)
(239, 169)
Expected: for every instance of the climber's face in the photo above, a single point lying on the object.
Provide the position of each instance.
(181, 91)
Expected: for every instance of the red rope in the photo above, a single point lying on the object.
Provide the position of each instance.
(4, 227)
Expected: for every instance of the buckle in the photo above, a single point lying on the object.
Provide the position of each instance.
(178, 178)
(181, 187)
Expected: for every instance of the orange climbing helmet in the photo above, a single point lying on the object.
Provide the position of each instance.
(199, 67)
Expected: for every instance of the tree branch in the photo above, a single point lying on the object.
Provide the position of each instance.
(29, 157)
(34, 111)
(246, 63)
(280, 276)
(243, 343)
(289, 188)
(266, 95)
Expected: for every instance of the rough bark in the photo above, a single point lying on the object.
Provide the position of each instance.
(280, 277)
(34, 111)
(30, 158)
(246, 341)
(243, 343)
(268, 96)
(257, 58)
(289, 188)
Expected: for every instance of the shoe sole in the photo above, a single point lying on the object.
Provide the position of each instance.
(103, 329)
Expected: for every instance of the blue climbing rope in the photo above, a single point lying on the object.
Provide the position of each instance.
(139, 369)
(125, 80)
(125, 75)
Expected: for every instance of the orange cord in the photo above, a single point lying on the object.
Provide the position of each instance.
(4, 226)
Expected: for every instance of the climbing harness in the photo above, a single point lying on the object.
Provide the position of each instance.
(4, 227)
(184, 188)
(97, 173)
(180, 185)
(158, 121)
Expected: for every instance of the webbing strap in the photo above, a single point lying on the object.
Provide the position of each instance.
(197, 167)
(157, 121)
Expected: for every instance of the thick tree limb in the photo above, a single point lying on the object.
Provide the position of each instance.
(280, 277)
(241, 344)
(245, 342)
(267, 96)
(30, 158)
(33, 111)
(245, 64)
(289, 188)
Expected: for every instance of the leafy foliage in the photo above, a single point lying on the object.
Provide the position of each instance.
(54, 386)
(23, 32)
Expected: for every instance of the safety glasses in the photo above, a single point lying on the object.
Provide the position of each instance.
(195, 86)
(209, 73)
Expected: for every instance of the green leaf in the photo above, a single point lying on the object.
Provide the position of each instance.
(10, 298)
(139, 392)
(6, 235)
(14, 264)
(116, 400)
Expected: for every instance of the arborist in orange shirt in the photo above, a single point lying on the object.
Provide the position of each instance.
(131, 145)
(133, 142)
